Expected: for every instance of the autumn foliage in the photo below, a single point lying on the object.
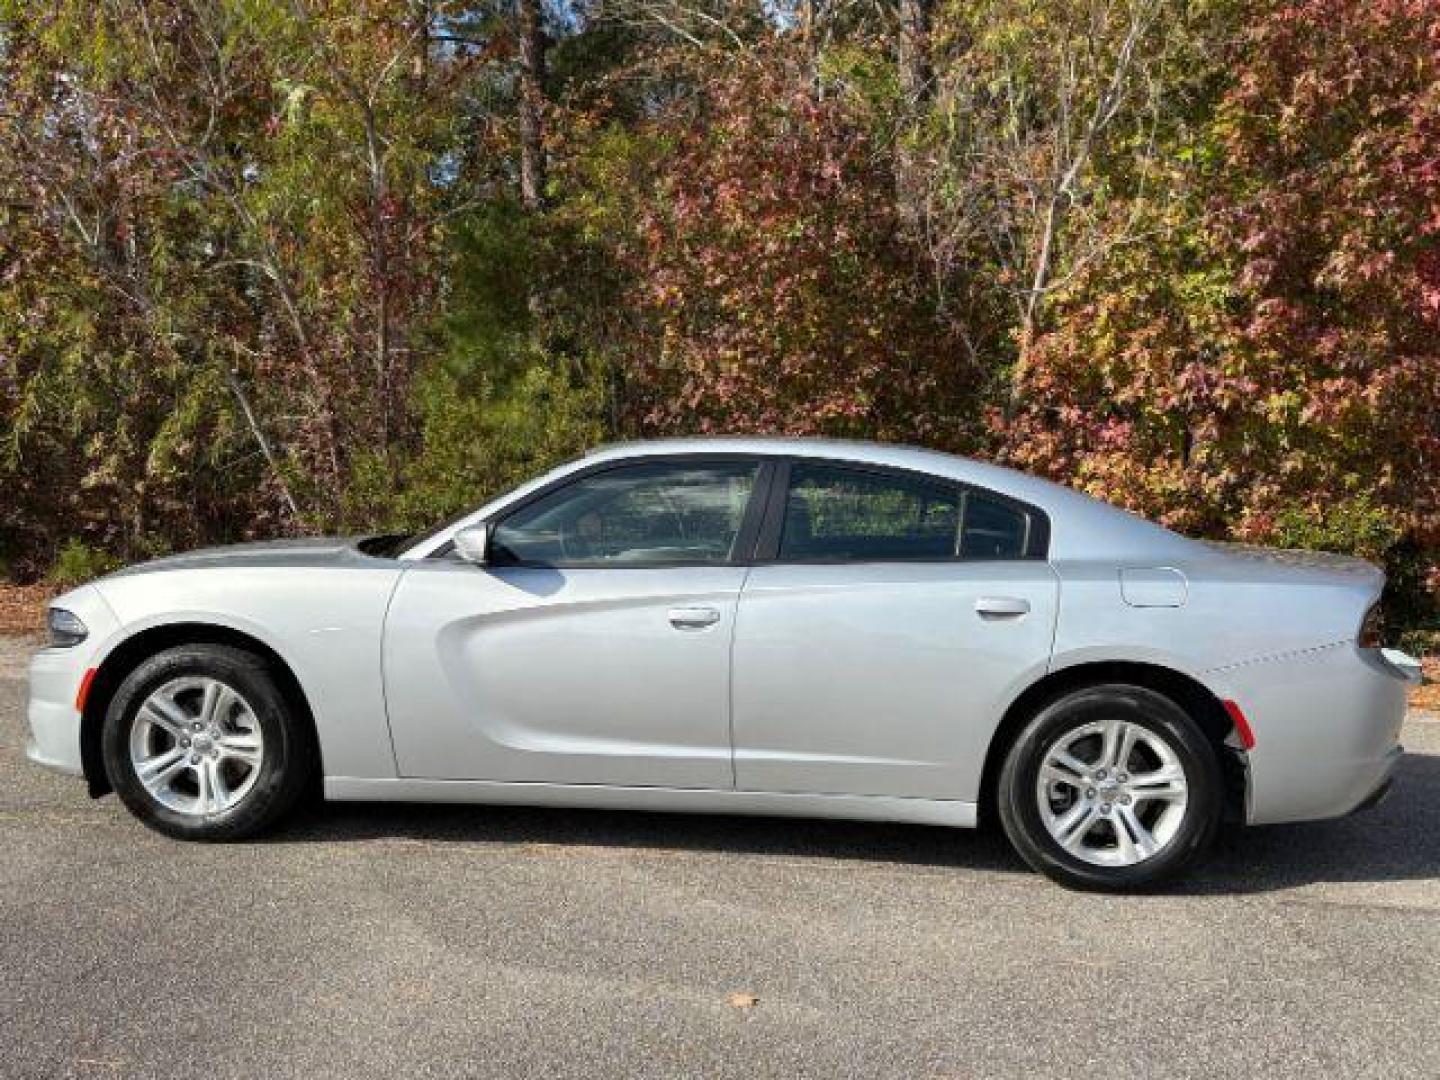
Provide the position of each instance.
(771, 284)
(1268, 366)
(301, 266)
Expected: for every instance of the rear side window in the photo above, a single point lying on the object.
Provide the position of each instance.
(833, 513)
(836, 513)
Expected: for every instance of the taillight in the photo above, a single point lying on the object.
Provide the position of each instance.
(1372, 630)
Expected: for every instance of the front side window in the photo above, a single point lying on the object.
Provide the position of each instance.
(633, 515)
(834, 513)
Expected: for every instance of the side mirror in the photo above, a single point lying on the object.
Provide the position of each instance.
(471, 543)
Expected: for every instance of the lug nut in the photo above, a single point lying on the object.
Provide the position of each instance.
(194, 759)
(1125, 800)
(1122, 778)
(1089, 793)
(1100, 774)
(1104, 808)
(185, 744)
(195, 726)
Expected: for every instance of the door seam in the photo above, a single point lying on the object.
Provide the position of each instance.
(385, 672)
(730, 678)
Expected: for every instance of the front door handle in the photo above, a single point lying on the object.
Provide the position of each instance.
(693, 618)
(1001, 607)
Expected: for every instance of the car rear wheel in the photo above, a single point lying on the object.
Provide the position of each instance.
(200, 744)
(1112, 788)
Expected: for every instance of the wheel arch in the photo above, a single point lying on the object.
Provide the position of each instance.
(1199, 702)
(133, 651)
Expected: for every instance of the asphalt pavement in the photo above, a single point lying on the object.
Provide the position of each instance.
(397, 941)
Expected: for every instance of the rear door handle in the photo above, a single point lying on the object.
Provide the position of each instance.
(1001, 607)
(693, 618)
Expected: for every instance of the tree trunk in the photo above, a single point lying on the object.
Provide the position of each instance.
(532, 103)
(277, 473)
(912, 59)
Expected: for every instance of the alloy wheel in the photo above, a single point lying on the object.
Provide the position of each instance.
(196, 746)
(1112, 792)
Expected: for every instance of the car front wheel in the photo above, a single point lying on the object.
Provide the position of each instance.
(200, 744)
(1112, 788)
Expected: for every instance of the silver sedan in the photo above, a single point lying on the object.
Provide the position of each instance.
(783, 627)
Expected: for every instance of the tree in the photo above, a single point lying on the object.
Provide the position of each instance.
(245, 187)
(1267, 364)
(1032, 98)
(916, 83)
(531, 32)
(771, 286)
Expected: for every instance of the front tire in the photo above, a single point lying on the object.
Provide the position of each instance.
(200, 744)
(1110, 788)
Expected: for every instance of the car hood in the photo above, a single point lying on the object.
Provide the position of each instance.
(303, 551)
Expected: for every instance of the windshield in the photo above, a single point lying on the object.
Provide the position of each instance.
(405, 541)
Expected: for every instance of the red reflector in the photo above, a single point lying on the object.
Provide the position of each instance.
(1242, 726)
(84, 691)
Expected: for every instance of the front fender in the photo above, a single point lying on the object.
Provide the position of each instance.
(325, 625)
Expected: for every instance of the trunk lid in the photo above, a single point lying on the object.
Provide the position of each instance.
(1342, 570)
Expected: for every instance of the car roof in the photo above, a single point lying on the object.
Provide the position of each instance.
(897, 455)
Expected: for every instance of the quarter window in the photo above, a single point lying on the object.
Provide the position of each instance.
(632, 516)
(993, 530)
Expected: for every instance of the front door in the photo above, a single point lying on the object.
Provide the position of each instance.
(594, 648)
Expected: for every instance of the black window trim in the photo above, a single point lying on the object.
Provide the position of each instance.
(741, 549)
(758, 541)
(767, 549)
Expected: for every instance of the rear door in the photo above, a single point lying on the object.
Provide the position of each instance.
(594, 648)
(879, 642)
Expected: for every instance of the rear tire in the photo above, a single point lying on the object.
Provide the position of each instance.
(1111, 788)
(200, 744)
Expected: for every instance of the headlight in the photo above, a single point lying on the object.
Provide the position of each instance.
(66, 629)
